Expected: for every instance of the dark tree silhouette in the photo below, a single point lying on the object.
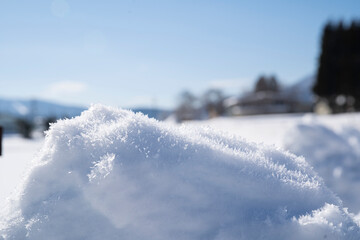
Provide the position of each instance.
(338, 78)
(264, 84)
(261, 84)
(25, 127)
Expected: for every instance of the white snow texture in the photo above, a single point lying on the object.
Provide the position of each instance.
(334, 154)
(114, 174)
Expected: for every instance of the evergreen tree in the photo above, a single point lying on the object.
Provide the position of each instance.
(338, 75)
(261, 84)
(264, 84)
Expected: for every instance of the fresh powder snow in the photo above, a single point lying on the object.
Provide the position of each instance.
(329, 143)
(333, 151)
(114, 174)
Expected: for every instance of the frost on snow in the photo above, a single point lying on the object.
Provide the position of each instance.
(113, 174)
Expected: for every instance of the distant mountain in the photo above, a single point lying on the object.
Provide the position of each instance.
(29, 109)
(37, 108)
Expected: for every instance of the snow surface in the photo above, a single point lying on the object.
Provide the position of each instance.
(330, 143)
(113, 174)
(334, 152)
(17, 155)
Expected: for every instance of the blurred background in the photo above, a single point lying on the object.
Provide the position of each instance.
(184, 59)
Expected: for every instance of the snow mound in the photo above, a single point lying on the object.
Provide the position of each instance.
(114, 174)
(334, 153)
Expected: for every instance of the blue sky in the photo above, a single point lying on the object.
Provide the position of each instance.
(131, 53)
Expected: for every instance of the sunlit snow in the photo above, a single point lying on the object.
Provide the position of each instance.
(113, 174)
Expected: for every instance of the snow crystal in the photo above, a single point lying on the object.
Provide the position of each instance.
(114, 174)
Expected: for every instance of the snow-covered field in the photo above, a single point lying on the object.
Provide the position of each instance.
(112, 174)
(17, 156)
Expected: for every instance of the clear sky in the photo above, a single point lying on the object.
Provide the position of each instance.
(144, 53)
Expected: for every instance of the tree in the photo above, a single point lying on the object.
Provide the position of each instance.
(212, 101)
(273, 84)
(338, 77)
(264, 84)
(25, 127)
(261, 84)
(188, 108)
